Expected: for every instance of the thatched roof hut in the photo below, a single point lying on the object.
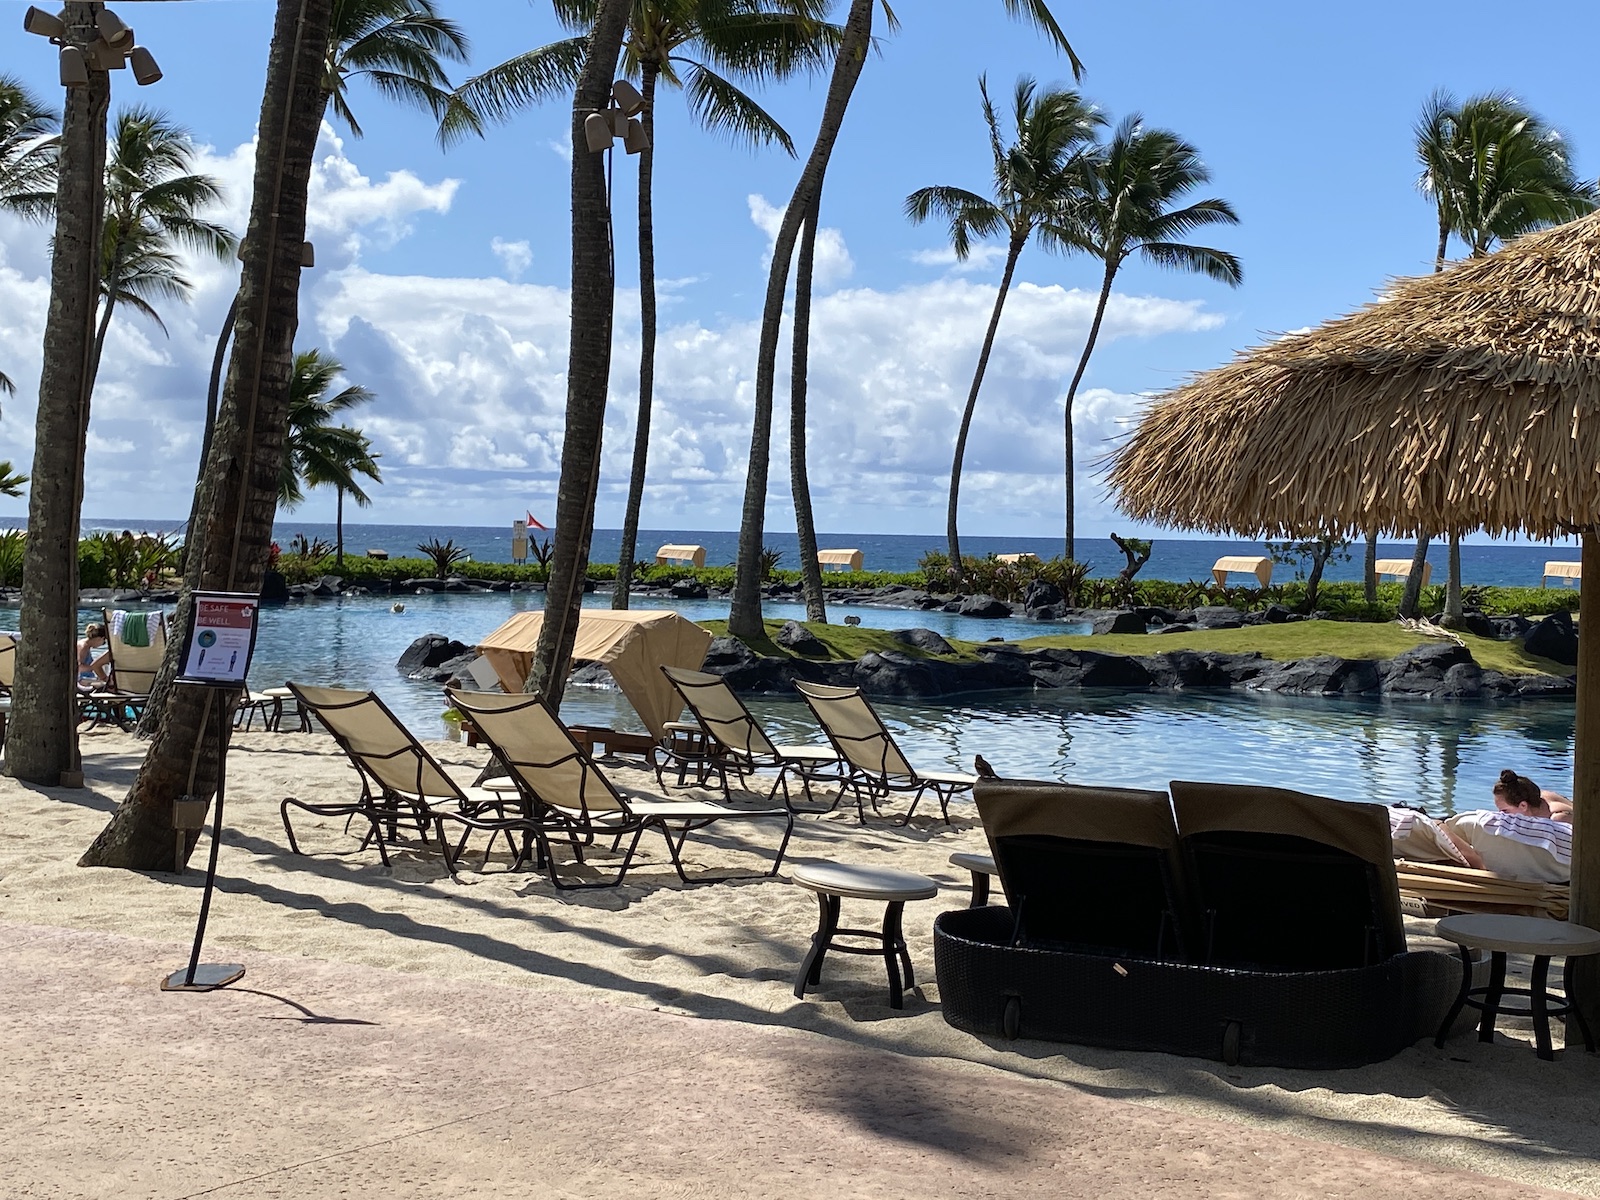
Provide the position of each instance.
(1459, 401)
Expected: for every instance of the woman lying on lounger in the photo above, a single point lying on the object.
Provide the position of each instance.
(1506, 841)
(1515, 793)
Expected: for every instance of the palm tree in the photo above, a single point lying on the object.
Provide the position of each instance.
(1036, 178)
(700, 47)
(152, 206)
(744, 616)
(318, 453)
(1494, 171)
(10, 484)
(1126, 209)
(27, 162)
(397, 45)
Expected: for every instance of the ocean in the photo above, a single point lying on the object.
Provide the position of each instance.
(1175, 558)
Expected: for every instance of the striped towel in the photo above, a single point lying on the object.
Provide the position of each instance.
(136, 629)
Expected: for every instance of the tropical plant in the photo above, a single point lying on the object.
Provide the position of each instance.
(1318, 552)
(400, 47)
(702, 48)
(131, 559)
(318, 453)
(153, 202)
(1494, 171)
(444, 555)
(309, 549)
(11, 542)
(744, 617)
(27, 161)
(1125, 209)
(10, 482)
(1036, 177)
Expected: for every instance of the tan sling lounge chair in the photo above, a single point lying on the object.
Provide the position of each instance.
(739, 744)
(400, 780)
(567, 794)
(877, 767)
(133, 670)
(1448, 888)
(8, 663)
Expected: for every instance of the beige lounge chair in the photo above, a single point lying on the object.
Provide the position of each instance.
(1447, 888)
(8, 663)
(877, 768)
(739, 744)
(400, 780)
(567, 794)
(131, 673)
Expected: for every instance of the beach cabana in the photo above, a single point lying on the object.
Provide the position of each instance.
(1464, 400)
(844, 560)
(1568, 572)
(694, 556)
(1400, 568)
(633, 645)
(1261, 568)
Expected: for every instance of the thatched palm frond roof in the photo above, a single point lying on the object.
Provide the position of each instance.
(1464, 400)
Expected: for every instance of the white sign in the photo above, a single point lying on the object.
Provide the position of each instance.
(222, 634)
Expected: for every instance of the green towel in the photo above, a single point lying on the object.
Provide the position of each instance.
(136, 629)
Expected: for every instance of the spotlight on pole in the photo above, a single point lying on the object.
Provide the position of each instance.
(74, 68)
(112, 29)
(308, 254)
(627, 97)
(145, 70)
(597, 131)
(635, 139)
(36, 20)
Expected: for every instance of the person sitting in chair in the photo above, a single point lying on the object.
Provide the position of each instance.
(91, 670)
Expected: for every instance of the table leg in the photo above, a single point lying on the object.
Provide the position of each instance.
(1539, 1006)
(893, 950)
(1495, 993)
(275, 717)
(980, 889)
(1461, 998)
(811, 966)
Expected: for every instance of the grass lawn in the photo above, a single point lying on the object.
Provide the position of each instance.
(1295, 639)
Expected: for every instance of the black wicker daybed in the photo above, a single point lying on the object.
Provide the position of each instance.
(1260, 926)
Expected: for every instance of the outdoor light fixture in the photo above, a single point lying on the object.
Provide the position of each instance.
(308, 254)
(112, 29)
(74, 67)
(601, 128)
(145, 70)
(627, 98)
(36, 20)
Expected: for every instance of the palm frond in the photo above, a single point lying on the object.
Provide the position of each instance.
(1200, 260)
(530, 78)
(719, 106)
(1037, 13)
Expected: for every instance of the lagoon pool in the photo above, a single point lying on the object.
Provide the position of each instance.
(1442, 755)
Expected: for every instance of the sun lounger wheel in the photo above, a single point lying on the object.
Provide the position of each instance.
(1011, 1019)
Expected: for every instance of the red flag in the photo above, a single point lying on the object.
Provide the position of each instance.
(534, 522)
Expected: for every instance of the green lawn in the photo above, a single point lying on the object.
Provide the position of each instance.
(1295, 639)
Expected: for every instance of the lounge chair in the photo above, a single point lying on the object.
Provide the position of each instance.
(1078, 965)
(1283, 880)
(877, 768)
(566, 793)
(738, 743)
(8, 663)
(1062, 850)
(132, 671)
(400, 780)
(1445, 888)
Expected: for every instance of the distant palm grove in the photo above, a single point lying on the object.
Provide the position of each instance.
(129, 214)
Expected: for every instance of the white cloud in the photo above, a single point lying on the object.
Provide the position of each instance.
(562, 147)
(981, 258)
(470, 375)
(515, 257)
(833, 263)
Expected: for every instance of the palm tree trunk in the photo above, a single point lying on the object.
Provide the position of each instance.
(1413, 592)
(1452, 590)
(588, 363)
(805, 526)
(1013, 253)
(43, 743)
(100, 340)
(1444, 244)
(1370, 573)
(238, 495)
(647, 339)
(744, 616)
(1072, 392)
(338, 527)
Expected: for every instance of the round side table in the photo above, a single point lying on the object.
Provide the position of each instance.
(834, 881)
(1501, 935)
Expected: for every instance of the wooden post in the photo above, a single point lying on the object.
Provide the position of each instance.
(1586, 796)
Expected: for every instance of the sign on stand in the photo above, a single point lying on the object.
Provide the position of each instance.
(217, 645)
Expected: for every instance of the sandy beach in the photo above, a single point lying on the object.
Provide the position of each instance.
(727, 953)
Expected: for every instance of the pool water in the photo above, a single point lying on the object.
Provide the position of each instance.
(1444, 756)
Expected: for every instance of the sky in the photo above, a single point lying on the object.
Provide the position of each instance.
(441, 278)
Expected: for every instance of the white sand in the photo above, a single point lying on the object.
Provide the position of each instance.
(730, 951)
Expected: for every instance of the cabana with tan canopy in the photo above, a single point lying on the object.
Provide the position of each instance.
(1460, 401)
(633, 645)
(844, 560)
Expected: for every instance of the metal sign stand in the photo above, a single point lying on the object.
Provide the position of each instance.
(219, 623)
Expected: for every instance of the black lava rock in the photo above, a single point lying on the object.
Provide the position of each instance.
(1119, 622)
(429, 650)
(1554, 638)
(795, 636)
(923, 639)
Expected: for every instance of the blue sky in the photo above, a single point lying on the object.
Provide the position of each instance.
(442, 276)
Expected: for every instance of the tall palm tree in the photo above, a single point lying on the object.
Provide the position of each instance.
(702, 48)
(318, 453)
(1494, 171)
(28, 147)
(1126, 209)
(397, 44)
(10, 484)
(744, 616)
(153, 202)
(1036, 179)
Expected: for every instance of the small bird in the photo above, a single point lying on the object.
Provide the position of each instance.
(852, 620)
(980, 764)
(397, 608)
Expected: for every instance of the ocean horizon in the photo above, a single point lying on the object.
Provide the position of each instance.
(1173, 558)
